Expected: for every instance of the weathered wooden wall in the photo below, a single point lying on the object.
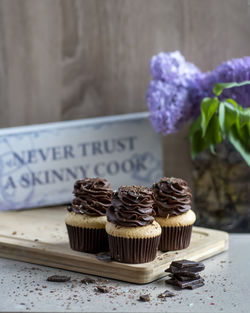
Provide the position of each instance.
(69, 59)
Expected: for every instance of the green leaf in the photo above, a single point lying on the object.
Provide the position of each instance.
(208, 108)
(242, 146)
(218, 88)
(228, 115)
(244, 117)
(213, 134)
(194, 127)
(199, 142)
(233, 102)
(222, 117)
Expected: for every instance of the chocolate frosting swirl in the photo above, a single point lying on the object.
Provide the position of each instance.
(131, 206)
(172, 197)
(92, 197)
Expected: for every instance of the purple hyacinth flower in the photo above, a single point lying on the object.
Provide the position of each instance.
(172, 68)
(178, 87)
(168, 105)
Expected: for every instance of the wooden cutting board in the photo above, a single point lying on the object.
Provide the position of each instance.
(39, 236)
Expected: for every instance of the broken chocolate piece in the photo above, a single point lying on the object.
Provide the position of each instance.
(166, 294)
(87, 280)
(186, 276)
(189, 283)
(144, 298)
(185, 264)
(185, 284)
(194, 269)
(196, 286)
(185, 273)
(102, 289)
(171, 281)
(58, 278)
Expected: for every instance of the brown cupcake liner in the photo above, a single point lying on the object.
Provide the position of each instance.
(175, 238)
(90, 240)
(133, 250)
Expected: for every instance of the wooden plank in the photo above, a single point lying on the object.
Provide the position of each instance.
(39, 236)
(70, 59)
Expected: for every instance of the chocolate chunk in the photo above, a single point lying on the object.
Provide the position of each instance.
(184, 273)
(189, 283)
(185, 278)
(185, 284)
(144, 298)
(102, 289)
(185, 264)
(58, 278)
(87, 280)
(187, 274)
(166, 294)
(172, 281)
(196, 286)
(176, 270)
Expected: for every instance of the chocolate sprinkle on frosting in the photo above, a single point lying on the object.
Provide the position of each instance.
(92, 197)
(131, 206)
(172, 197)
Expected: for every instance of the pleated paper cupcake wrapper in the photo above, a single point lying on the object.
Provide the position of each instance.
(175, 238)
(90, 240)
(133, 250)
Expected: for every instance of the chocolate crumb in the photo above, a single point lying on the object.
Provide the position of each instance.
(144, 298)
(166, 294)
(102, 289)
(104, 256)
(87, 280)
(58, 278)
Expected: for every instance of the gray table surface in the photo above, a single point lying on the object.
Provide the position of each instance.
(23, 287)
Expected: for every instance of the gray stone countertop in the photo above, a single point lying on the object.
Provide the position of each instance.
(24, 288)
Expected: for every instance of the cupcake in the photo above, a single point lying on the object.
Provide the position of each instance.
(172, 203)
(133, 233)
(86, 217)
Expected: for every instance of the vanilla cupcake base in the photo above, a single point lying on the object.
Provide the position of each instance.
(87, 233)
(176, 231)
(133, 244)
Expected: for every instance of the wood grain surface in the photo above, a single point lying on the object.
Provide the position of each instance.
(62, 60)
(39, 236)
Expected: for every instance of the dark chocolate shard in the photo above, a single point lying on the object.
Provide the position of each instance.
(58, 278)
(102, 289)
(144, 298)
(166, 294)
(185, 273)
(171, 281)
(189, 283)
(87, 280)
(186, 277)
(196, 286)
(185, 284)
(176, 270)
(185, 264)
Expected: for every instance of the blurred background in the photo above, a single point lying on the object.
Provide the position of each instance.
(63, 60)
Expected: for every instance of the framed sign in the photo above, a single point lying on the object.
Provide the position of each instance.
(39, 164)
